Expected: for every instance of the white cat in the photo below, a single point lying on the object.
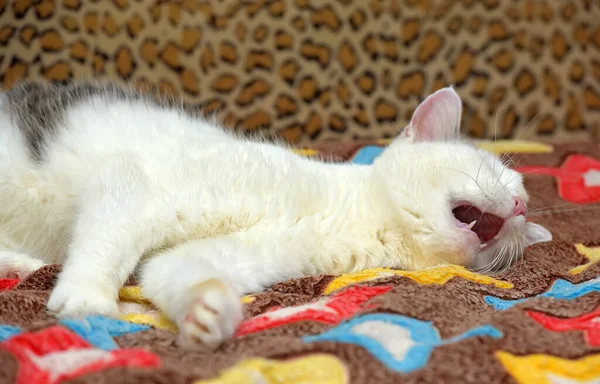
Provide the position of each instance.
(108, 182)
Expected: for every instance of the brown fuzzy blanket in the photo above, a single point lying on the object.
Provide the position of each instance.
(537, 323)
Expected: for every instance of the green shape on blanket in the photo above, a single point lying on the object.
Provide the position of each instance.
(100, 330)
(8, 331)
(402, 343)
(366, 155)
(561, 289)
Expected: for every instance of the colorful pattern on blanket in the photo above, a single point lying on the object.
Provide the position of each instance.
(537, 323)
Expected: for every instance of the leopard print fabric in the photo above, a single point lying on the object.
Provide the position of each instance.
(313, 70)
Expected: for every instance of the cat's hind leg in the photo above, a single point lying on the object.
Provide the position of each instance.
(203, 301)
(15, 265)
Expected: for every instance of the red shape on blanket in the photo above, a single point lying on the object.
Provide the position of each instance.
(329, 310)
(8, 284)
(589, 323)
(577, 178)
(55, 354)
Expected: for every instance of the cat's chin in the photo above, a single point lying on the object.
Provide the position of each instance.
(501, 252)
(482, 260)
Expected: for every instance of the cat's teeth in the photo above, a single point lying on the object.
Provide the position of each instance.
(471, 224)
(482, 246)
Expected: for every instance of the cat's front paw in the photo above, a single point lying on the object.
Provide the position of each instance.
(211, 317)
(73, 300)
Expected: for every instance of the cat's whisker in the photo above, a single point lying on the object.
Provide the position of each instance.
(510, 158)
(564, 175)
(558, 211)
(489, 267)
(551, 207)
(527, 126)
(515, 177)
(469, 176)
(509, 257)
(500, 176)
(500, 257)
(520, 245)
(480, 164)
(484, 210)
(520, 255)
(568, 207)
(528, 172)
(524, 130)
(495, 136)
(515, 254)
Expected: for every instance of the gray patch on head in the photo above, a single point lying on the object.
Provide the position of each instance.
(38, 109)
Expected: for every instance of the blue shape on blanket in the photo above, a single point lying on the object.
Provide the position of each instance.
(561, 289)
(401, 343)
(100, 330)
(368, 154)
(8, 331)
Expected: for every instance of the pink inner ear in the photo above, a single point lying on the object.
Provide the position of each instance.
(423, 111)
(436, 118)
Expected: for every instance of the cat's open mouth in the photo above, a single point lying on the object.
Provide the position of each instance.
(485, 225)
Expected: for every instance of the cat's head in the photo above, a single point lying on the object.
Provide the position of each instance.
(454, 202)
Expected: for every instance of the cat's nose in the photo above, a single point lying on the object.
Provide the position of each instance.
(520, 207)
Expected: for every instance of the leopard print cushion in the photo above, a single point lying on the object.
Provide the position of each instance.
(317, 70)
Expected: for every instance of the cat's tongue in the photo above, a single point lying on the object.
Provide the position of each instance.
(485, 225)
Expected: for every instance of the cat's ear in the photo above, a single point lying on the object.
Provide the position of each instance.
(437, 118)
(535, 233)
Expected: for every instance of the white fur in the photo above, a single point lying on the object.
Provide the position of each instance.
(127, 185)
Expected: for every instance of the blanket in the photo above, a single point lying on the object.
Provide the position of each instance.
(539, 322)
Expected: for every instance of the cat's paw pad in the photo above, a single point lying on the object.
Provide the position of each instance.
(70, 300)
(211, 317)
(17, 266)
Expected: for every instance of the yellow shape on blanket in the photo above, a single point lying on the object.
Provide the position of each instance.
(546, 369)
(306, 152)
(133, 294)
(435, 275)
(157, 320)
(592, 254)
(317, 368)
(514, 146)
(503, 146)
